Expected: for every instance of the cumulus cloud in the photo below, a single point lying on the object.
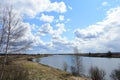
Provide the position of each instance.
(46, 18)
(48, 29)
(29, 36)
(102, 36)
(61, 29)
(56, 43)
(91, 32)
(61, 44)
(33, 7)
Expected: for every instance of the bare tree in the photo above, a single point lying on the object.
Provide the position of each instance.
(11, 33)
(96, 73)
(115, 75)
(77, 68)
(12, 30)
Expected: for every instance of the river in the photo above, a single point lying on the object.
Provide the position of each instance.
(59, 61)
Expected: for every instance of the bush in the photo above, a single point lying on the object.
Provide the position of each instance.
(115, 75)
(96, 73)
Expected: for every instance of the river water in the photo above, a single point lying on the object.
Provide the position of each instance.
(58, 61)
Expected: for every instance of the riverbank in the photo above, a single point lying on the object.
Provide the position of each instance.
(33, 70)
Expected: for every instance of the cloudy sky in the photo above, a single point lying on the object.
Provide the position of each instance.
(60, 26)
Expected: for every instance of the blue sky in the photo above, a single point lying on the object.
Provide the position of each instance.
(59, 26)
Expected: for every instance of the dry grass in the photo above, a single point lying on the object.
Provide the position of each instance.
(38, 71)
(14, 72)
(43, 72)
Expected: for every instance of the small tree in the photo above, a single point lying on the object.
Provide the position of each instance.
(65, 66)
(115, 75)
(89, 53)
(96, 73)
(109, 54)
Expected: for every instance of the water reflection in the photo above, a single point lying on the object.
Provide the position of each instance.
(106, 64)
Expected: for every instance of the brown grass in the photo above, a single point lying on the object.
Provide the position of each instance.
(36, 71)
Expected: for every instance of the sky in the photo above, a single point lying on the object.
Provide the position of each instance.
(61, 26)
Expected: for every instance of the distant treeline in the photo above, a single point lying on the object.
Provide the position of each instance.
(107, 54)
(23, 54)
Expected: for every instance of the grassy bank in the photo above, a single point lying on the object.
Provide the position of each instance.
(24, 69)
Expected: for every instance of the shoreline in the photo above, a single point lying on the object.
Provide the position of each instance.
(39, 71)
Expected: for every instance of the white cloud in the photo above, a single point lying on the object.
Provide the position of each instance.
(56, 43)
(29, 36)
(46, 18)
(46, 29)
(33, 7)
(60, 30)
(105, 3)
(61, 44)
(57, 7)
(61, 17)
(102, 36)
(91, 32)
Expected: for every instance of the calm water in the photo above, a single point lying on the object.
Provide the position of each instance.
(57, 61)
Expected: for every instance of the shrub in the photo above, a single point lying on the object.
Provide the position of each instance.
(115, 75)
(96, 73)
